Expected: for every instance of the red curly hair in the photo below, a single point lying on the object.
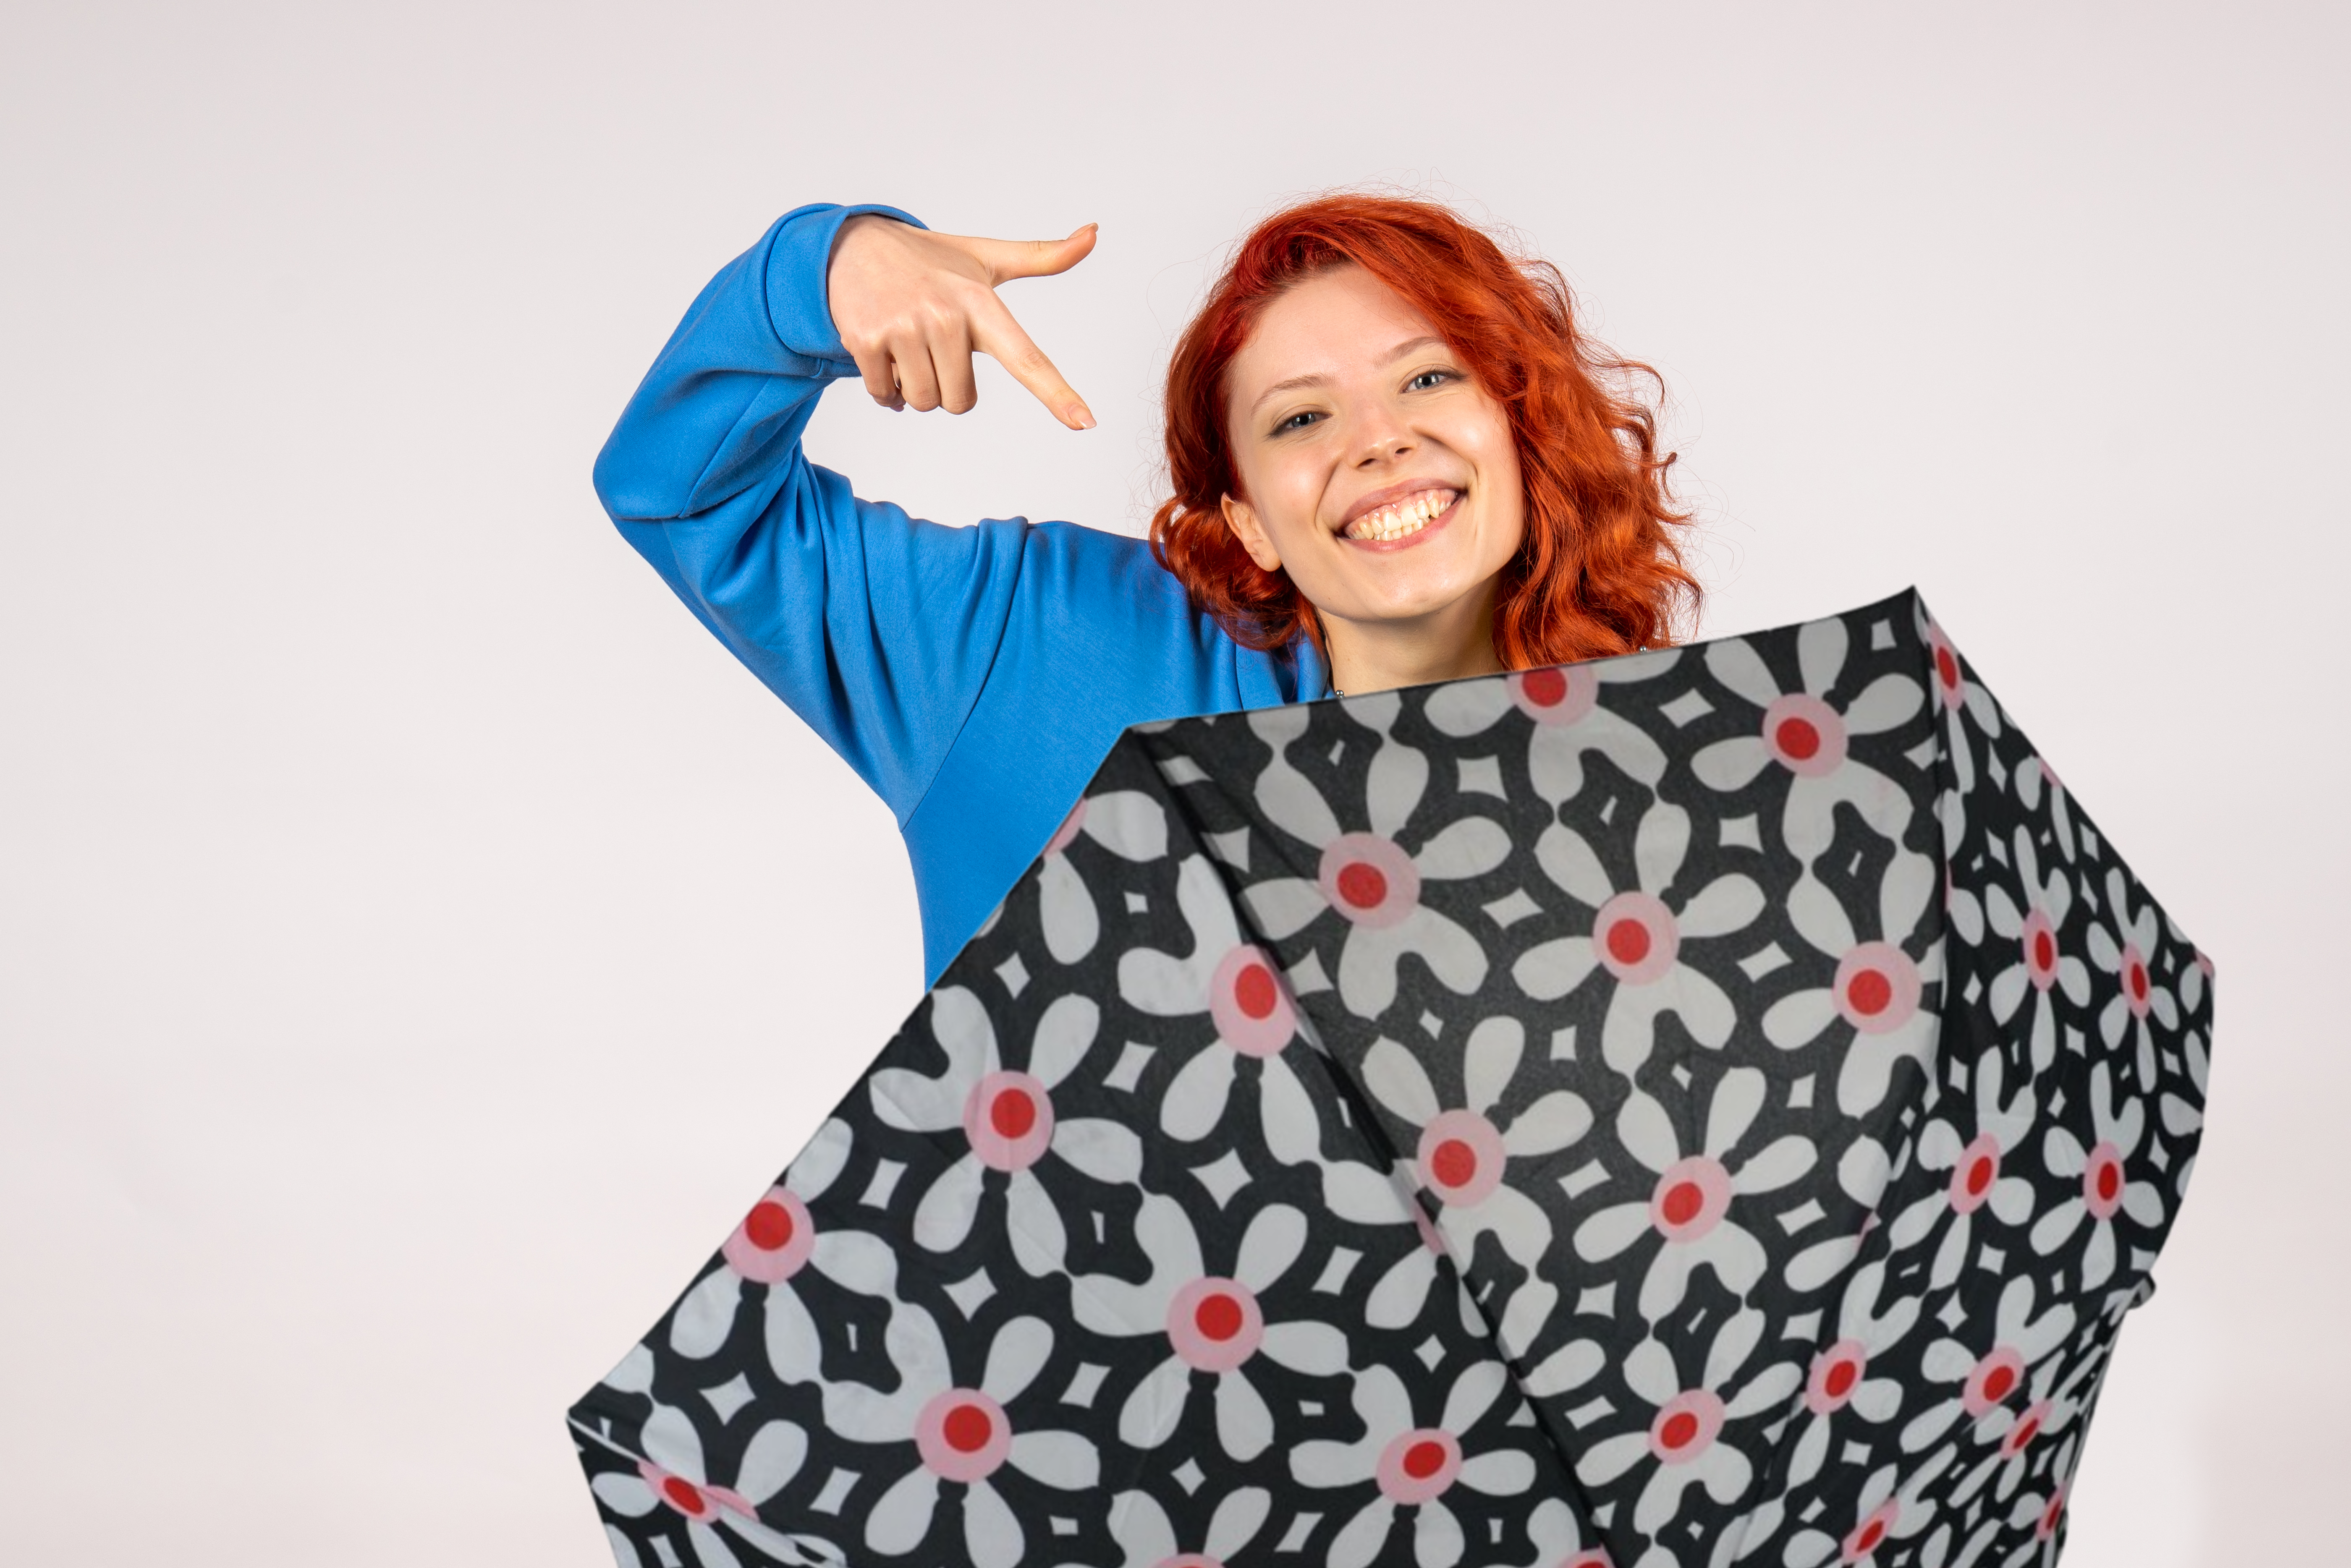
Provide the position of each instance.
(1600, 571)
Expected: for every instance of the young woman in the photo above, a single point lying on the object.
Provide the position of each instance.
(1395, 460)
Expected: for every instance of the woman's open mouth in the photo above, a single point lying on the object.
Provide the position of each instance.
(1403, 518)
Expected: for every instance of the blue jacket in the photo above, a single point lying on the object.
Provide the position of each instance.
(975, 677)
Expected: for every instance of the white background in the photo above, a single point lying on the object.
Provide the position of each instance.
(419, 940)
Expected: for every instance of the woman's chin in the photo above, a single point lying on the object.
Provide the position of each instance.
(1400, 604)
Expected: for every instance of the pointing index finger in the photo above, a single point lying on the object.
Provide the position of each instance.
(997, 334)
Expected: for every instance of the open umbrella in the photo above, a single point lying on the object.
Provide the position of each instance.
(1706, 1106)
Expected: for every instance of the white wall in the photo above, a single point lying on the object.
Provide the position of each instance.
(418, 938)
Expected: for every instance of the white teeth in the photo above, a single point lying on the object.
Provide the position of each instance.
(1395, 521)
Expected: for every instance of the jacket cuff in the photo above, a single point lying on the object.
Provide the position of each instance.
(800, 253)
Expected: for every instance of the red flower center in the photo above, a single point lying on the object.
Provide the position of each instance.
(682, 1494)
(769, 1227)
(1217, 1317)
(2044, 950)
(967, 1428)
(1998, 1382)
(2138, 982)
(1424, 1459)
(2110, 1182)
(1253, 988)
(1543, 688)
(1362, 885)
(1841, 1379)
(1453, 1162)
(1683, 1201)
(2025, 1434)
(1012, 1115)
(1800, 738)
(1947, 669)
(1678, 1430)
(1869, 992)
(1871, 1534)
(1979, 1176)
(1628, 942)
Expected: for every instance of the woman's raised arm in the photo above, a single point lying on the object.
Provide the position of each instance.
(876, 628)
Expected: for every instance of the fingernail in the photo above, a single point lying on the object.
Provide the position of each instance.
(1082, 416)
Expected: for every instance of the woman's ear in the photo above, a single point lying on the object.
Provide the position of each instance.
(1241, 518)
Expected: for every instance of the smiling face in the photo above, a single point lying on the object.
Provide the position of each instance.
(1376, 471)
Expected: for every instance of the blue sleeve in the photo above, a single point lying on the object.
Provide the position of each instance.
(876, 628)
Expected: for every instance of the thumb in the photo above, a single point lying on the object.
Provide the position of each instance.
(1008, 259)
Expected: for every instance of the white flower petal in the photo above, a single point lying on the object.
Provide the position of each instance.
(1397, 1080)
(1393, 785)
(991, 1531)
(1736, 1100)
(1156, 1407)
(1607, 1459)
(1569, 860)
(1275, 1237)
(1195, 1102)
(1549, 971)
(794, 1352)
(706, 1315)
(1019, 1351)
(1609, 1231)
(1820, 654)
(1356, 1545)
(1463, 708)
(1065, 910)
(1105, 1149)
(1128, 823)
(1318, 1348)
(1283, 906)
(1469, 847)
(1067, 1461)
(1489, 1060)
(1237, 1521)
(1550, 1124)
(1737, 665)
(1473, 1394)
(1566, 1369)
(1885, 702)
(1659, 846)
(1731, 765)
(1786, 1159)
(1819, 916)
(1063, 1037)
(1293, 1126)
(771, 1461)
(816, 1167)
(1437, 1538)
(1244, 1425)
(1797, 1018)
(1725, 905)
(903, 1515)
(1032, 1221)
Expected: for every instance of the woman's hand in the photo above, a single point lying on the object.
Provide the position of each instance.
(912, 307)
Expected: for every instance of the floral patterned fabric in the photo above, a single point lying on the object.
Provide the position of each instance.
(1711, 1106)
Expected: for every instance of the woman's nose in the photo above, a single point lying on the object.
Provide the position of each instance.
(1379, 439)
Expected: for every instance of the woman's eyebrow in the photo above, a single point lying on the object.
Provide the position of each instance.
(1413, 347)
(1428, 342)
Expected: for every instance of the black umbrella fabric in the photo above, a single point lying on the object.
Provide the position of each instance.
(1710, 1106)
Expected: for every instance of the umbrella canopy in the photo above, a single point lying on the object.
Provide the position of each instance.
(1712, 1106)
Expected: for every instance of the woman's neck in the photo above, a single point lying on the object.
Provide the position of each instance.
(1380, 655)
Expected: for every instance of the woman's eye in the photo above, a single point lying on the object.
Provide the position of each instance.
(1297, 421)
(1427, 379)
